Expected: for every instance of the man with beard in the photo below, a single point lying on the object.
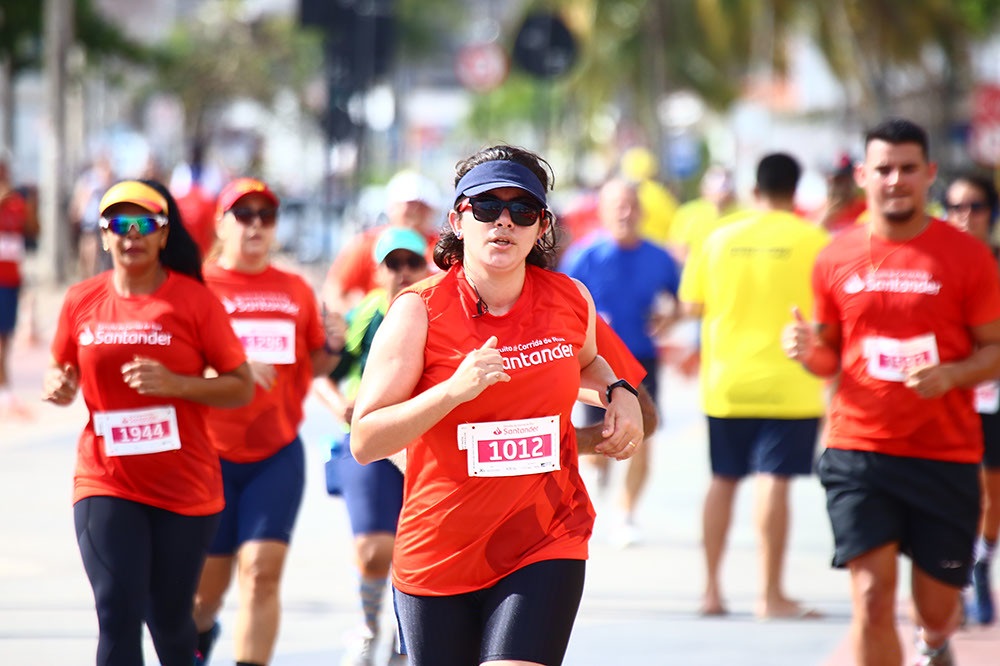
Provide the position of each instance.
(908, 313)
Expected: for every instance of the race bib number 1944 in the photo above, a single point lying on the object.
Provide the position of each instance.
(130, 432)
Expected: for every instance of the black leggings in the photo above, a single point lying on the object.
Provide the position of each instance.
(144, 564)
(527, 616)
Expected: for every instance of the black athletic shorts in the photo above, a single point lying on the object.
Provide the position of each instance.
(527, 616)
(991, 440)
(929, 507)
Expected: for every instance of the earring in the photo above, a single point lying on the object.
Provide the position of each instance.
(458, 234)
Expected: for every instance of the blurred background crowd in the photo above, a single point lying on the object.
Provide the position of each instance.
(326, 99)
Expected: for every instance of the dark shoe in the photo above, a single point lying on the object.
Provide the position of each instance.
(980, 608)
(206, 640)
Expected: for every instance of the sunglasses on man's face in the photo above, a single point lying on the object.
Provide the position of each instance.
(973, 207)
(120, 225)
(488, 210)
(245, 216)
(412, 261)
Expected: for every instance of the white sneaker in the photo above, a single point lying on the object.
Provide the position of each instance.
(927, 656)
(362, 651)
(626, 535)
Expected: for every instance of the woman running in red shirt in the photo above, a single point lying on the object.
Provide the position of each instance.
(276, 317)
(137, 341)
(474, 372)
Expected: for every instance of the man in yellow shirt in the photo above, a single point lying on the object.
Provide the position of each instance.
(763, 411)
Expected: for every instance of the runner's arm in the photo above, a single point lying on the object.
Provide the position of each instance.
(815, 345)
(386, 417)
(983, 364)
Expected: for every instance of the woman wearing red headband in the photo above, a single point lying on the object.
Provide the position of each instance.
(474, 372)
(137, 341)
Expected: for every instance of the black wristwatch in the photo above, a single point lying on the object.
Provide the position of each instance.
(623, 384)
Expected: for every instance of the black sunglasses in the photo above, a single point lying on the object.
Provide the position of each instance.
(245, 216)
(488, 210)
(974, 207)
(412, 261)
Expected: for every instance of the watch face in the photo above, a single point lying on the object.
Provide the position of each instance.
(621, 383)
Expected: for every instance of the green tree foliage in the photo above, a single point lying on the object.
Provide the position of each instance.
(210, 62)
(222, 57)
(21, 34)
(423, 26)
(862, 39)
(634, 51)
(21, 46)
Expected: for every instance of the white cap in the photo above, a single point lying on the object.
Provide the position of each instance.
(408, 186)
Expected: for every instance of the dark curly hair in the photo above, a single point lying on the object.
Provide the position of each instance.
(450, 249)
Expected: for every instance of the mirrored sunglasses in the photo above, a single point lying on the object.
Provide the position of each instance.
(488, 210)
(120, 225)
(245, 216)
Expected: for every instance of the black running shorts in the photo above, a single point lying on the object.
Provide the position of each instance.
(929, 507)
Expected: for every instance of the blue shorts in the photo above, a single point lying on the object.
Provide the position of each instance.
(8, 309)
(373, 492)
(783, 447)
(262, 499)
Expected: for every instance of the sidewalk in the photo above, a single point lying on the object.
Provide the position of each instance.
(37, 319)
(639, 605)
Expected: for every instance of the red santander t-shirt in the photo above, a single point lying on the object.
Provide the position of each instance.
(458, 533)
(276, 316)
(900, 304)
(183, 326)
(13, 217)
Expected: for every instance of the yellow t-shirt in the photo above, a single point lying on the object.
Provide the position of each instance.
(747, 277)
(689, 214)
(699, 230)
(658, 208)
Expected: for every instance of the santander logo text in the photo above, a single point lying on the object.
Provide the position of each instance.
(536, 352)
(894, 282)
(125, 333)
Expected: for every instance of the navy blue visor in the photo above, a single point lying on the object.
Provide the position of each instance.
(496, 174)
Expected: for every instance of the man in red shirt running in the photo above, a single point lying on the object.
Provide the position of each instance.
(908, 314)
